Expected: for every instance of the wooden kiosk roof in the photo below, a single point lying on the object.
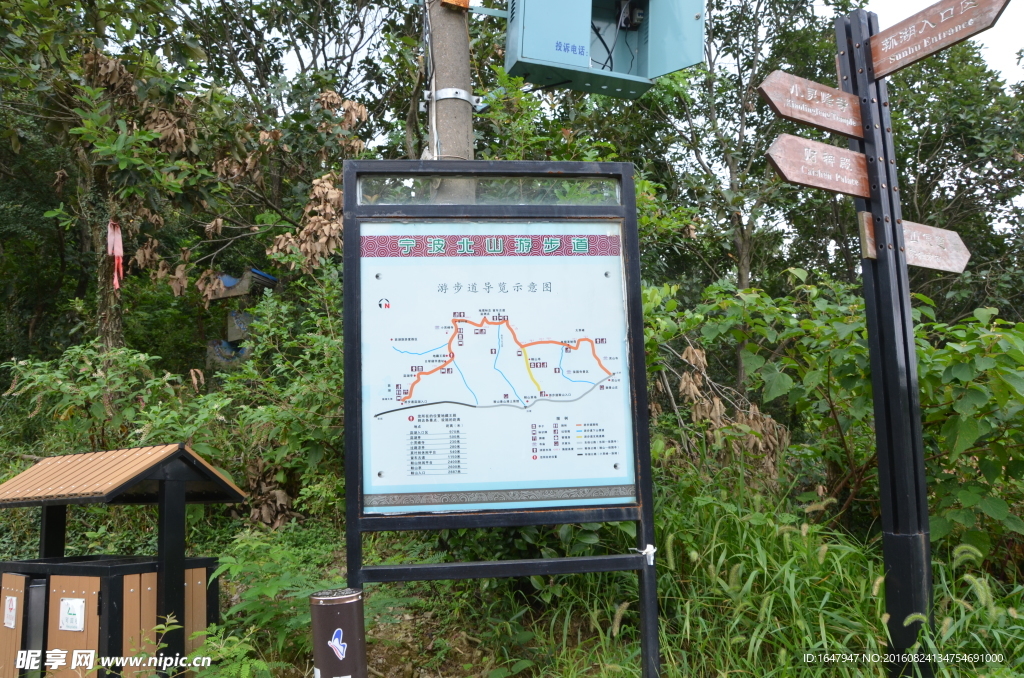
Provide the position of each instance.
(129, 476)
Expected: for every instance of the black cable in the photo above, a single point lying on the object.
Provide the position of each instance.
(540, 88)
(632, 53)
(609, 59)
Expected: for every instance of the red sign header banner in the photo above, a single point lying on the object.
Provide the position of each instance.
(490, 246)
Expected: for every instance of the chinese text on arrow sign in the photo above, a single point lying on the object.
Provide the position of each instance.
(926, 246)
(805, 101)
(931, 30)
(811, 163)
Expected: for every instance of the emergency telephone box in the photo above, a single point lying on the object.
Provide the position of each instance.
(611, 47)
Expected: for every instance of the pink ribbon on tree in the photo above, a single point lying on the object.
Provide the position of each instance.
(115, 248)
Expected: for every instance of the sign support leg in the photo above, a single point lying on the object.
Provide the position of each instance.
(171, 564)
(650, 649)
(901, 473)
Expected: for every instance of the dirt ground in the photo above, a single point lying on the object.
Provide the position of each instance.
(414, 646)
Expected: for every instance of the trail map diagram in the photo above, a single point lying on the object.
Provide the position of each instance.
(503, 371)
(494, 366)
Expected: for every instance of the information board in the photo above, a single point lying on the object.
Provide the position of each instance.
(493, 362)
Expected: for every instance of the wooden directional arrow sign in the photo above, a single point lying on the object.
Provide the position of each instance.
(926, 246)
(931, 30)
(817, 165)
(808, 102)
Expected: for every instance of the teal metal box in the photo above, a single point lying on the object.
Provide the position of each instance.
(599, 46)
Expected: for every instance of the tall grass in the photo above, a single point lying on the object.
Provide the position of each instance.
(751, 589)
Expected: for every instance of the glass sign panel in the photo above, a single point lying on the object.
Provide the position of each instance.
(494, 366)
(400, 189)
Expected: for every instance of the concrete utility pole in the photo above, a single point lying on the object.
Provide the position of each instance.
(451, 115)
(451, 119)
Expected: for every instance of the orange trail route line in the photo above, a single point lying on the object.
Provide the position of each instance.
(485, 321)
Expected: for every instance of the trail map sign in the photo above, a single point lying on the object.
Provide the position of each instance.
(493, 362)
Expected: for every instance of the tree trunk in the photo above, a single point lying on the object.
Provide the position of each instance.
(743, 235)
(109, 312)
(413, 139)
(451, 120)
(84, 248)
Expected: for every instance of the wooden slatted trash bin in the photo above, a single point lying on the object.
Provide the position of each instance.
(107, 605)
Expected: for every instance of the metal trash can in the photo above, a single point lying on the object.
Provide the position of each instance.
(339, 637)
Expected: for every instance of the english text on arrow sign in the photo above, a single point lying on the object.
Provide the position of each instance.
(931, 30)
(816, 165)
(805, 101)
(926, 246)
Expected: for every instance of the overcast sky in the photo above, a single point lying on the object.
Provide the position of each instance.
(1000, 43)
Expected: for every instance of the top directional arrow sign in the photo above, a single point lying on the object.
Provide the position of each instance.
(931, 30)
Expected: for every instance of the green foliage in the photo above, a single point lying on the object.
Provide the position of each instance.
(806, 354)
(751, 588)
(973, 388)
(107, 400)
(273, 577)
(272, 574)
(512, 116)
(747, 586)
(958, 113)
(586, 539)
(289, 393)
(139, 168)
(176, 328)
(234, 656)
(514, 127)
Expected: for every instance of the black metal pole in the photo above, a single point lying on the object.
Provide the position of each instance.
(171, 563)
(111, 620)
(212, 597)
(901, 474)
(352, 327)
(52, 531)
(650, 647)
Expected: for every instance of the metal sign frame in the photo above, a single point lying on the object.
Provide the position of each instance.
(642, 513)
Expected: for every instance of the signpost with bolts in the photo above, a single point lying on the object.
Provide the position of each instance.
(901, 475)
(868, 172)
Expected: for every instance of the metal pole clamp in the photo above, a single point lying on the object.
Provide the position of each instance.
(455, 93)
